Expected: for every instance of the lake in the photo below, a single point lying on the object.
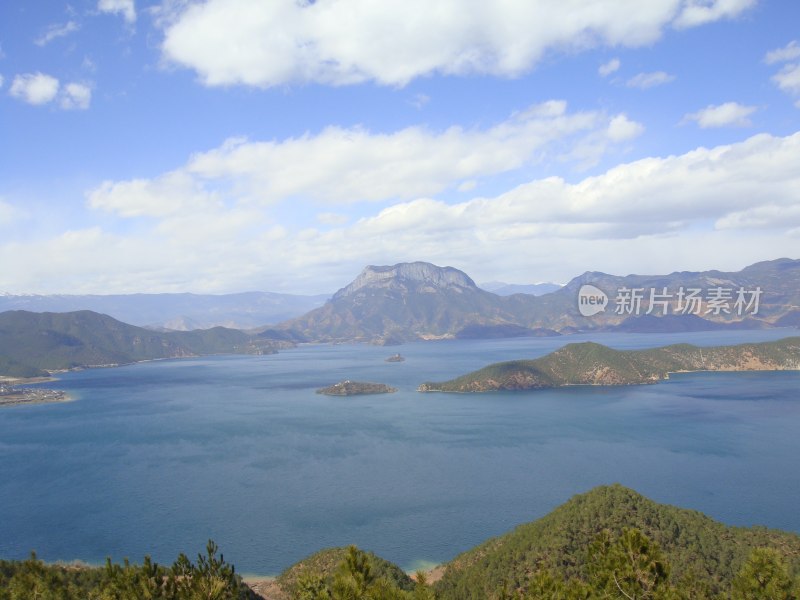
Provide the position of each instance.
(157, 458)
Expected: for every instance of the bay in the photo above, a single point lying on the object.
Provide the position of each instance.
(156, 458)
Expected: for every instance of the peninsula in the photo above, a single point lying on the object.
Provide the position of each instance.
(12, 396)
(589, 363)
(355, 388)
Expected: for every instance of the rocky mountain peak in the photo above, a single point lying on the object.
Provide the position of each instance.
(402, 273)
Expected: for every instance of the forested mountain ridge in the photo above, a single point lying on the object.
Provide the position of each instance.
(33, 343)
(704, 557)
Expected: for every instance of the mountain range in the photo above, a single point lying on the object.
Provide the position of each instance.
(413, 301)
(385, 305)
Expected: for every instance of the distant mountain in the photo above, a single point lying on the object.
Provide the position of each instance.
(176, 311)
(778, 280)
(32, 343)
(507, 289)
(411, 301)
(589, 363)
(405, 302)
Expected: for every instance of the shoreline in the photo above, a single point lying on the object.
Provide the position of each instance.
(26, 380)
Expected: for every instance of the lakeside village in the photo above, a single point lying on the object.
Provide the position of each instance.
(10, 395)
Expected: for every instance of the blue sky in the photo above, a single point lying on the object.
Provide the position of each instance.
(233, 145)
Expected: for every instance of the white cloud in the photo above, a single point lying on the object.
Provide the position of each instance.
(788, 79)
(608, 68)
(76, 96)
(39, 89)
(168, 195)
(722, 207)
(723, 115)
(351, 165)
(622, 129)
(700, 12)
(339, 42)
(126, 8)
(34, 88)
(645, 81)
(56, 31)
(2, 80)
(789, 52)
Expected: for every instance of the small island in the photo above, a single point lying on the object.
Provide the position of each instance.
(589, 363)
(395, 358)
(356, 388)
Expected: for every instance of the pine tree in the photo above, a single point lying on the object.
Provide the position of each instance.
(764, 576)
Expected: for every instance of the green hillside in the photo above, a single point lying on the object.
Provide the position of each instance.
(34, 342)
(696, 547)
(326, 563)
(589, 363)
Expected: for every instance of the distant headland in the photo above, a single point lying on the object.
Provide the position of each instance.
(589, 363)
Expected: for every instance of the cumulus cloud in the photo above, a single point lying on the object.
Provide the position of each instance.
(729, 114)
(622, 129)
(164, 196)
(342, 42)
(700, 12)
(645, 81)
(722, 207)
(76, 96)
(789, 52)
(788, 79)
(126, 8)
(339, 165)
(39, 89)
(56, 31)
(34, 88)
(608, 68)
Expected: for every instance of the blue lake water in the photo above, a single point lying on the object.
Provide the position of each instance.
(156, 458)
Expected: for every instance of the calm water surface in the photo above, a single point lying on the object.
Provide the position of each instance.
(158, 457)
